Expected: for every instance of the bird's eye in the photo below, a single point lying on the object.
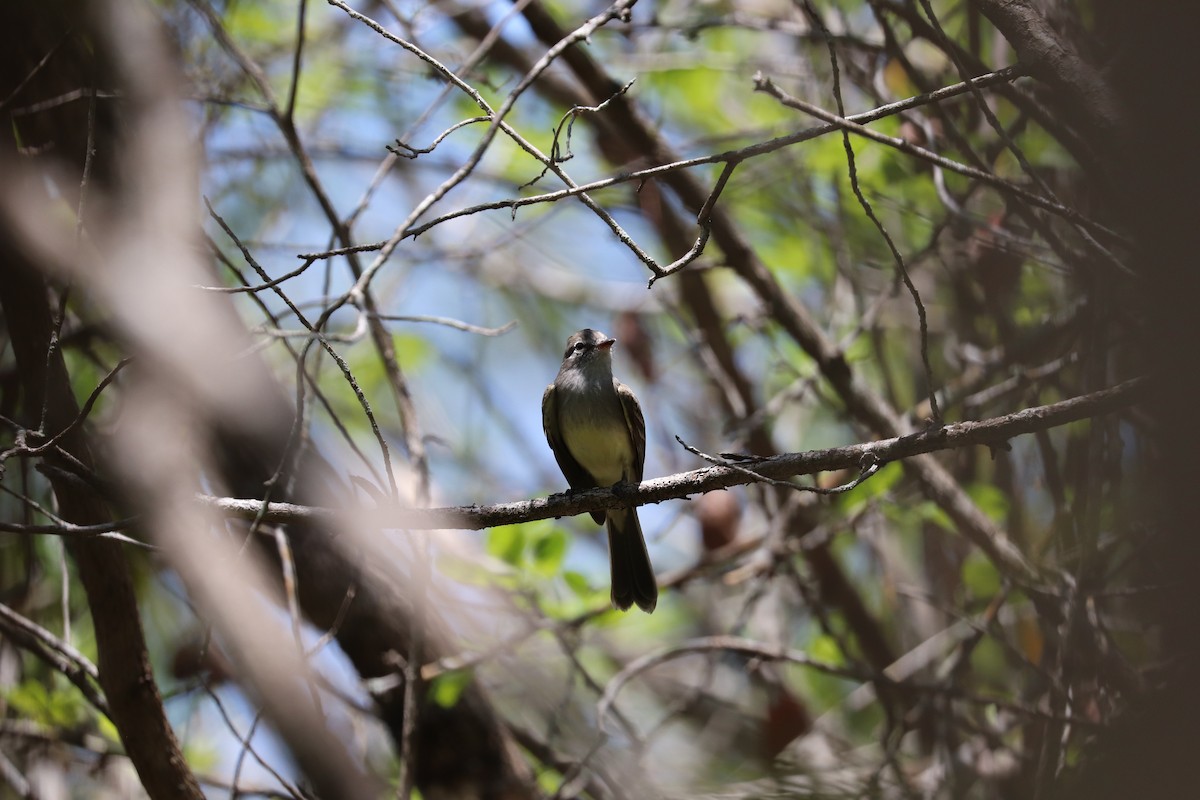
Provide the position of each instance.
(579, 347)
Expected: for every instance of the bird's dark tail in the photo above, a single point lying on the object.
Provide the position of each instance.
(632, 576)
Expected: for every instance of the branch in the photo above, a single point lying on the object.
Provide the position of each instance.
(766, 85)
(125, 673)
(1053, 59)
(992, 432)
(59, 654)
(792, 316)
(760, 650)
(726, 157)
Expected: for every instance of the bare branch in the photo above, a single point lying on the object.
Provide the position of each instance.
(990, 432)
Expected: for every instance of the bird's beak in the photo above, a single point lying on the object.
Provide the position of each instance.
(605, 343)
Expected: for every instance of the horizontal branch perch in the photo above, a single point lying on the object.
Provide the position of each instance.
(991, 432)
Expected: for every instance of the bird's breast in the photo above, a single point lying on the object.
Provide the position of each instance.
(597, 437)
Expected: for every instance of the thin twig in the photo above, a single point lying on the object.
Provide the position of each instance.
(764, 84)
(294, 84)
(450, 323)
(852, 167)
(869, 468)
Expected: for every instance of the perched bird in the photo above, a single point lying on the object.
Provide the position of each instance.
(595, 428)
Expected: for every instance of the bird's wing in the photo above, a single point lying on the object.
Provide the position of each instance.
(636, 425)
(578, 477)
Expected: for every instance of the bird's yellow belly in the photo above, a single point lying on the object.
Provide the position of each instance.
(605, 452)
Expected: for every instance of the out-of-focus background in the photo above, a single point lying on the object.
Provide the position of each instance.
(329, 254)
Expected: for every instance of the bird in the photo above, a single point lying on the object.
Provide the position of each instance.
(595, 428)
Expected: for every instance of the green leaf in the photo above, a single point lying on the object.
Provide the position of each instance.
(548, 552)
(447, 688)
(578, 584)
(106, 728)
(929, 511)
(507, 543)
(979, 575)
(256, 22)
(877, 486)
(202, 756)
(411, 350)
(990, 499)
(56, 708)
(824, 689)
(550, 780)
(825, 648)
